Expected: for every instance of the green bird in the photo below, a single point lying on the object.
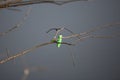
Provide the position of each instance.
(59, 41)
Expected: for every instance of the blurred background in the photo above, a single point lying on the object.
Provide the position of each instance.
(95, 59)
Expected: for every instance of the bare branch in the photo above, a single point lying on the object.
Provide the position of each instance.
(82, 36)
(29, 50)
(30, 2)
(87, 33)
(24, 52)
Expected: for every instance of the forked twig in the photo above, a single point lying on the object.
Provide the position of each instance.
(82, 36)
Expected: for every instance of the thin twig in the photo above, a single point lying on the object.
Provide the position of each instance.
(24, 52)
(19, 24)
(29, 50)
(87, 33)
(30, 2)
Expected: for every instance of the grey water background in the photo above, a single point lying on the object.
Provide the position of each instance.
(95, 59)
